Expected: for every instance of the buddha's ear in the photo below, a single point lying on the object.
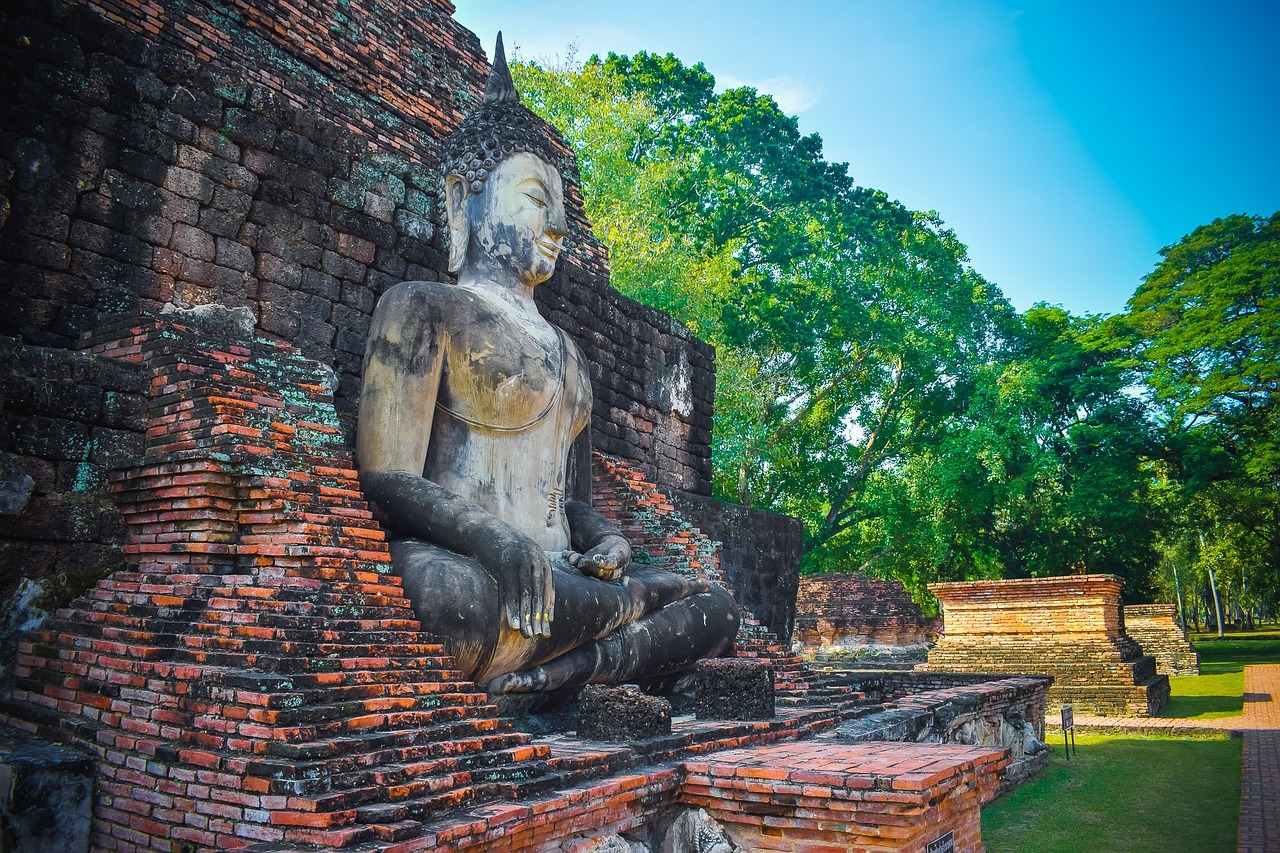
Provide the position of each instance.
(455, 210)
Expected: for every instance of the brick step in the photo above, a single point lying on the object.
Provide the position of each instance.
(425, 809)
(395, 764)
(379, 721)
(402, 780)
(358, 575)
(354, 597)
(473, 734)
(371, 632)
(105, 627)
(323, 714)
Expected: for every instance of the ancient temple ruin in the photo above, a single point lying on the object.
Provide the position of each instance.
(859, 618)
(201, 206)
(1070, 627)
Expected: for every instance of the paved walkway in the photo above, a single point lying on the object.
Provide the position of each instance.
(1260, 769)
(1259, 725)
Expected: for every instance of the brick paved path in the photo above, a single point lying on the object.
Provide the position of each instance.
(1259, 725)
(1260, 769)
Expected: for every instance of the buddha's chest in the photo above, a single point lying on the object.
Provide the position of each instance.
(508, 380)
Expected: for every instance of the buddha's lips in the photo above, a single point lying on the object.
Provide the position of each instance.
(551, 249)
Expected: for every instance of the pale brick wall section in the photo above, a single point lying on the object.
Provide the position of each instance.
(1069, 627)
(1156, 628)
(836, 612)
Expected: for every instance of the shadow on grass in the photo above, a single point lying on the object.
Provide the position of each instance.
(1203, 706)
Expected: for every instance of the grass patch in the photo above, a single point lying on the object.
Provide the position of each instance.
(1206, 697)
(1124, 795)
(1219, 690)
(1234, 651)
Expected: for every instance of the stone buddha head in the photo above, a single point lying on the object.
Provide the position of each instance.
(503, 194)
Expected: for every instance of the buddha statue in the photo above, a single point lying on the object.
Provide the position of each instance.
(470, 404)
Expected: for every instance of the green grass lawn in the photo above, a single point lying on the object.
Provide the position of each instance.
(1219, 690)
(1124, 795)
(1128, 795)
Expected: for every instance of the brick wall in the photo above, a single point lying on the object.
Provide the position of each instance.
(278, 157)
(760, 555)
(1069, 627)
(820, 798)
(1156, 629)
(68, 418)
(847, 612)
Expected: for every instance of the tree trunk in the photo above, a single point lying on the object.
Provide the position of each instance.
(1217, 605)
(1177, 586)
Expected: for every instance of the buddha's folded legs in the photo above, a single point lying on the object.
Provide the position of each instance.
(667, 640)
(650, 623)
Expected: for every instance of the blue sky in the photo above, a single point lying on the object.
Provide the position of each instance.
(1065, 141)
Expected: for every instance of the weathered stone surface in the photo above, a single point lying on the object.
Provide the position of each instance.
(759, 555)
(856, 616)
(694, 831)
(734, 689)
(621, 714)
(16, 486)
(46, 795)
(1008, 713)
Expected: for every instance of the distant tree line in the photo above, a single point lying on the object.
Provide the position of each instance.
(871, 383)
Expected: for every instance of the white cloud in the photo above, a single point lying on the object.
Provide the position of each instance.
(794, 95)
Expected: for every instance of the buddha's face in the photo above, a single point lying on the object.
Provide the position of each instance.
(517, 223)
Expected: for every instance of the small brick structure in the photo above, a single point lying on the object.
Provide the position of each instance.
(733, 689)
(850, 613)
(621, 714)
(1070, 627)
(821, 798)
(1156, 629)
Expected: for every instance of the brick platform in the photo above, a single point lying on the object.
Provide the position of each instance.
(1155, 627)
(1069, 627)
(815, 798)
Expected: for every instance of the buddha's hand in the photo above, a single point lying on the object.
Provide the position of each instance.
(607, 560)
(524, 578)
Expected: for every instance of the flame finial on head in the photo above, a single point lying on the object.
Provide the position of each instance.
(500, 88)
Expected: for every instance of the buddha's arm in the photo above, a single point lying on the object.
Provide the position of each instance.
(402, 374)
(599, 549)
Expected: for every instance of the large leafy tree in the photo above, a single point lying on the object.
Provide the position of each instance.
(1206, 324)
(847, 326)
(1044, 471)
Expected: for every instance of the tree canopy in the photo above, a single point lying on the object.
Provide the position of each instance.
(873, 384)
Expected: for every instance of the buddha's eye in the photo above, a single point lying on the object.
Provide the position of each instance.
(536, 199)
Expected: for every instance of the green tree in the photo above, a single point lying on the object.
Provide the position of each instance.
(1206, 328)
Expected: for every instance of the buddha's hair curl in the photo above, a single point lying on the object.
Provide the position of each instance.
(490, 135)
(502, 126)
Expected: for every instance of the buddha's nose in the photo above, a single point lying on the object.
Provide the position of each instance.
(556, 225)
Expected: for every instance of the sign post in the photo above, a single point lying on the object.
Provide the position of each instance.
(1068, 730)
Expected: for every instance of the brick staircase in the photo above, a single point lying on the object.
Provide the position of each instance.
(260, 668)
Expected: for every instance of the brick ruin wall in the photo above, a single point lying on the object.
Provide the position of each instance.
(258, 676)
(1156, 628)
(846, 612)
(278, 157)
(1070, 627)
(760, 555)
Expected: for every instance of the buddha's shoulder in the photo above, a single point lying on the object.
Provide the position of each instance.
(424, 301)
